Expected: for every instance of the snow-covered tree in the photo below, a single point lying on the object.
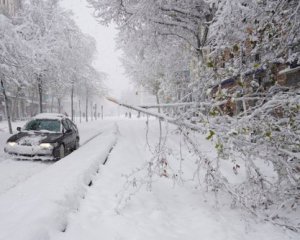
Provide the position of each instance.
(44, 54)
(217, 40)
(13, 59)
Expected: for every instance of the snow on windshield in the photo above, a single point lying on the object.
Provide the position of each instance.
(43, 124)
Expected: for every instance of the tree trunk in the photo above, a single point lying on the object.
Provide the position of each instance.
(157, 102)
(95, 111)
(72, 102)
(79, 112)
(40, 88)
(52, 100)
(91, 111)
(86, 107)
(59, 105)
(22, 109)
(242, 79)
(6, 107)
(13, 109)
(159, 122)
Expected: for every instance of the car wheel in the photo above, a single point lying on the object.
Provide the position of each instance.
(61, 151)
(76, 144)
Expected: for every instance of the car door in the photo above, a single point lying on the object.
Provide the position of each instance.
(74, 132)
(68, 135)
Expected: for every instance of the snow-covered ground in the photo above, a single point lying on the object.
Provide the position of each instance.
(80, 198)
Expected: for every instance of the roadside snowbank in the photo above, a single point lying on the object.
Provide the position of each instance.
(38, 208)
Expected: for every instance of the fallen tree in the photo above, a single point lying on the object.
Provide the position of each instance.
(262, 146)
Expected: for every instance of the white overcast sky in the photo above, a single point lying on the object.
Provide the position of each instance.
(107, 57)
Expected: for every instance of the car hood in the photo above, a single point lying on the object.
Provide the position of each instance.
(34, 138)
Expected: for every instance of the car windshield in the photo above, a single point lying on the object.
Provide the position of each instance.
(43, 124)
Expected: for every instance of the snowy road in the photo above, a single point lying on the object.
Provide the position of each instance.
(13, 172)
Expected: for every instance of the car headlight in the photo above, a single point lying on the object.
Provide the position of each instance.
(46, 145)
(11, 144)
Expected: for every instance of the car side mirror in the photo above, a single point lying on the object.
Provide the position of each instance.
(19, 129)
(66, 131)
(69, 131)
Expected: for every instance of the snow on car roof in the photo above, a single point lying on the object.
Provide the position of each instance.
(50, 116)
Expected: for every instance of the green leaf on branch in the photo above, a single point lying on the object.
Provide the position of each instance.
(268, 134)
(210, 64)
(240, 83)
(219, 146)
(213, 113)
(236, 48)
(210, 135)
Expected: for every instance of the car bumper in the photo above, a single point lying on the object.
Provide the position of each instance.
(30, 152)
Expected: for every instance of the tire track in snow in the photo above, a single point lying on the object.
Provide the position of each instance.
(91, 138)
(108, 155)
(107, 127)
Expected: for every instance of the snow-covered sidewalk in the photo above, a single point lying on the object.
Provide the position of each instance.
(166, 212)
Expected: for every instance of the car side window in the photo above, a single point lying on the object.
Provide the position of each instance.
(72, 125)
(65, 125)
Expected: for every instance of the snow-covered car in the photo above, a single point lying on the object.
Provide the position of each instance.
(47, 136)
